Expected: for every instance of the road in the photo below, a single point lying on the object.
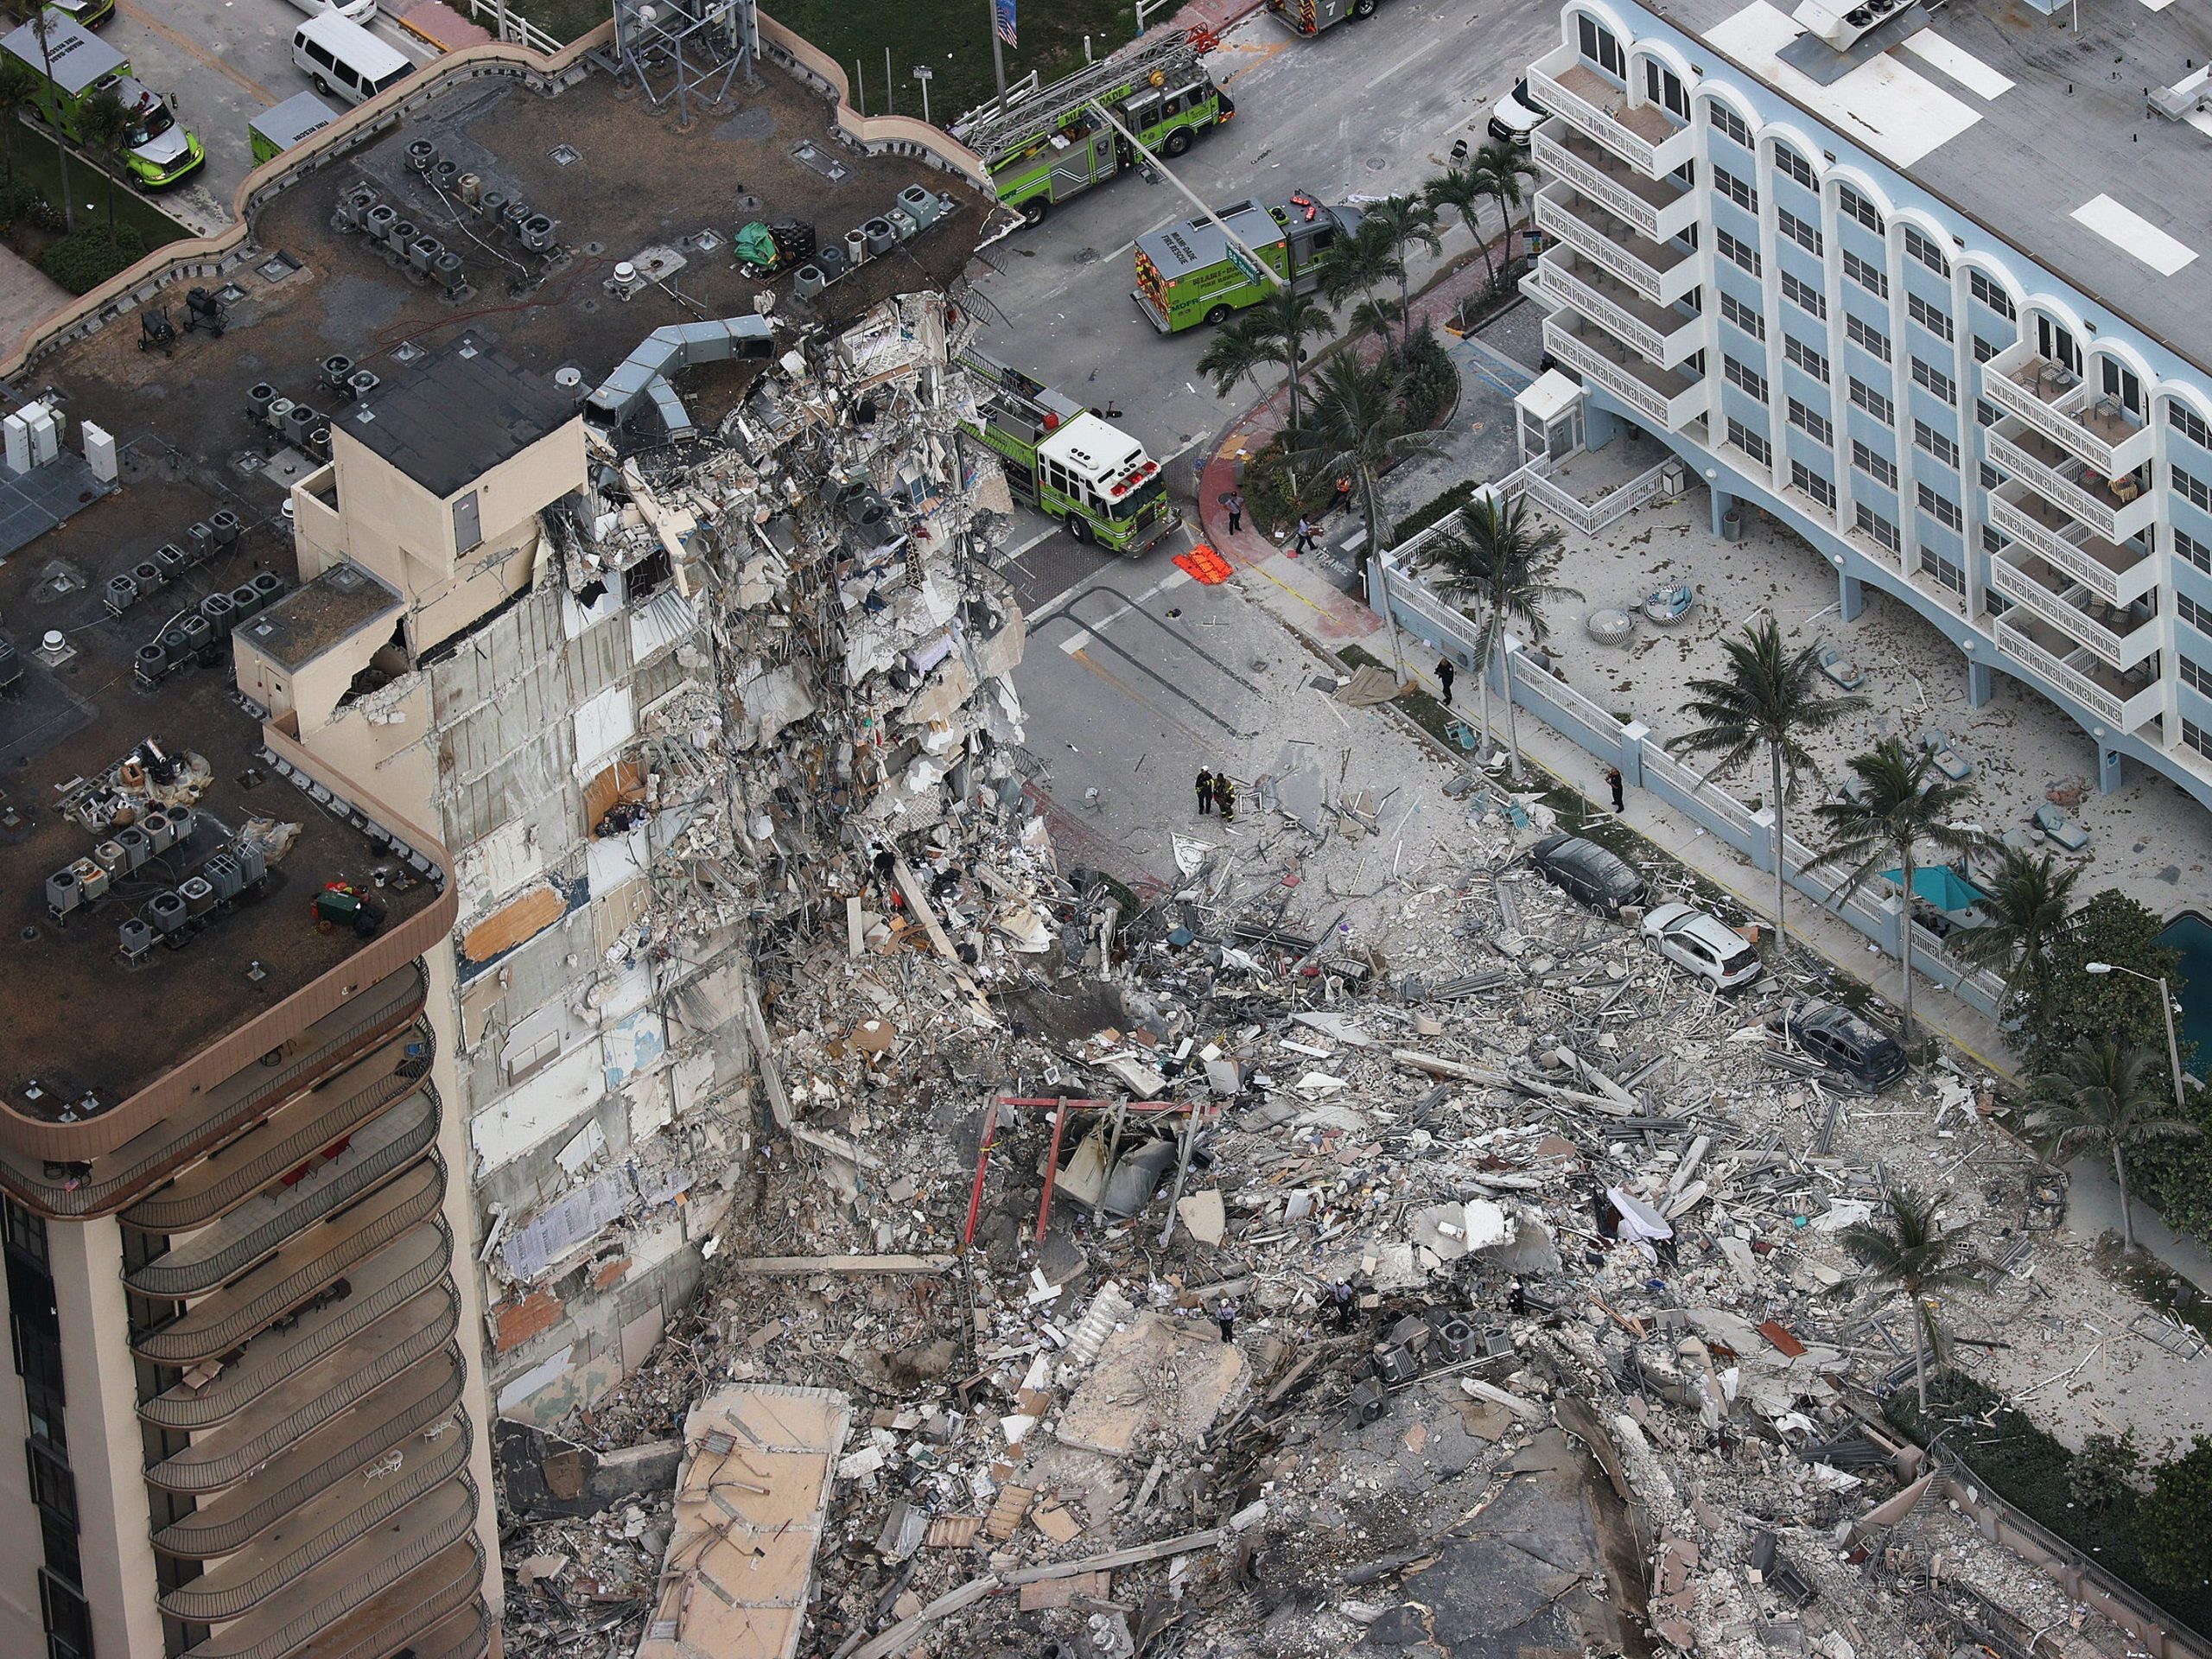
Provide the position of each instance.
(1126, 658)
(224, 61)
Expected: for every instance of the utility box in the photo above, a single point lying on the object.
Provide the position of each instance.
(99, 450)
(15, 432)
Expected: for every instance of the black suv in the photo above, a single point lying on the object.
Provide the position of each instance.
(1585, 871)
(1844, 1043)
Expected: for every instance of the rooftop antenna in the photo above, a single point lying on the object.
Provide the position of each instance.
(684, 49)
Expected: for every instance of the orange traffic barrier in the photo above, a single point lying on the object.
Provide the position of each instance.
(1203, 564)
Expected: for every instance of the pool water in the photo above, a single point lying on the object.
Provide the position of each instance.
(2191, 935)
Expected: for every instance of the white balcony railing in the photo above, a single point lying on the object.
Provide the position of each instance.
(2119, 651)
(1659, 271)
(2058, 479)
(1658, 213)
(2119, 574)
(1669, 399)
(2122, 711)
(2054, 400)
(1561, 83)
(1665, 337)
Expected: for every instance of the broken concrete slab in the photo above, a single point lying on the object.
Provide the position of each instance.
(1160, 1378)
(1203, 1215)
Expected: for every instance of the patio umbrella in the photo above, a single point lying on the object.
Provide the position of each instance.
(1941, 885)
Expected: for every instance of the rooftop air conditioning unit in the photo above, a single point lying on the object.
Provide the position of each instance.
(1841, 27)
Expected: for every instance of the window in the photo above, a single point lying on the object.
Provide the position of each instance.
(1994, 541)
(1872, 279)
(1881, 468)
(1852, 205)
(24, 1231)
(1804, 297)
(1991, 478)
(1927, 375)
(1984, 290)
(1813, 483)
(1804, 234)
(1874, 525)
(1986, 414)
(46, 1419)
(1927, 316)
(2198, 553)
(1735, 189)
(68, 1621)
(61, 1557)
(1946, 573)
(2187, 421)
(2195, 615)
(1806, 358)
(1788, 161)
(1743, 316)
(1728, 122)
(1750, 443)
(1984, 350)
(1917, 244)
(1809, 420)
(1736, 250)
(1866, 336)
(54, 1488)
(1744, 376)
(2195, 675)
(1941, 508)
(1662, 86)
(1935, 444)
(2193, 734)
(2193, 487)
(1865, 396)
(2055, 343)
(1602, 49)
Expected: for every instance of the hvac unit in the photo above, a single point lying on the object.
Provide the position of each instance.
(493, 205)
(403, 235)
(200, 639)
(298, 421)
(121, 594)
(148, 576)
(183, 821)
(903, 225)
(201, 540)
(151, 662)
(856, 249)
(513, 213)
(225, 875)
(471, 188)
(219, 612)
(448, 272)
(919, 206)
(831, 259)
(252, 866)
(421, 250)
(335, 368)
(353, 206)
(807, 282)
(319, 442)
(165, 912)
(444, 175)
(171, 561)
(881, 236)
(422, 156)
(378, 221)
(138, 847)
(64, 890)
(225, 523)
(161, 831)
(274, 414)
(362, 382)
(270, 586)
(91, 879)
(540, 233)
(111, 859)
(199, 896)
(244, 603)
(135, 939)
(257, 399)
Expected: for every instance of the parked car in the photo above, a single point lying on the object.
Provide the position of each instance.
(353, 12)
(1586, 872)
(1851, 1049)
(1516, 115)
(1703, 944)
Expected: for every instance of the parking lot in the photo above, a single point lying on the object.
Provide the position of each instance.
(224, 61)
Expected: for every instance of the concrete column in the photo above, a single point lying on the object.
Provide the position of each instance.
(1630, 758)
(1981, 683)
(106, 1455)
(1761, 848)
(1599, 426)
(1721, 501)
(2109, 777)
(1851, 594)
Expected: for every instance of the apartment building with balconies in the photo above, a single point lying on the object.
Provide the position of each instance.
(1906, 278)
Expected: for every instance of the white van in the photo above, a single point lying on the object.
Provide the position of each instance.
(344, 59)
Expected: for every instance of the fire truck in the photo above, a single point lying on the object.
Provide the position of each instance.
(1070, 464)
(1190, 272)
(1052, 144)
(1311, 17)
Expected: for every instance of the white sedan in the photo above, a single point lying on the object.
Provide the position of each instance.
(1701, 945)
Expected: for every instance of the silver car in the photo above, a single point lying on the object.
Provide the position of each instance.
(1703, 944)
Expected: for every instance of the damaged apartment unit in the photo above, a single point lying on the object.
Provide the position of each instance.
(1822, 256)
(664, 679)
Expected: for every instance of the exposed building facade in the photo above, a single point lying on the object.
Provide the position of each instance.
(1850, 272)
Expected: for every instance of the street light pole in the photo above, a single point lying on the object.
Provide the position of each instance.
(2165, 1006)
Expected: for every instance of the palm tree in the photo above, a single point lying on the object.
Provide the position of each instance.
(104, 128)
(18, 86)
(1911, 1252)
(1768, 695)
(1503, 166)
(1498, 560)
(43, 21)
(1407, 222)
(1373, 318)
(1493, 175)
(1359, 263)
(2107, 1096)
(2028, 907)
(1900, 805)
(1271, 334)
(1358, 426)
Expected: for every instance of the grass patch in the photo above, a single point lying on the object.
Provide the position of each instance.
(38, 165)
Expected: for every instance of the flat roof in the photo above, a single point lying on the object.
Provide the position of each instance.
(450, 417)
(310, 620)
(2037, 132)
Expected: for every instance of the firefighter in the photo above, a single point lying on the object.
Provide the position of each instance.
(1225, 796)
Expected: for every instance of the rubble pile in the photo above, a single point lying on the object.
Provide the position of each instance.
(1209, 1280)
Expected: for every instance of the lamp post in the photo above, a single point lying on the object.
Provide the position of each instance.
(923, 73)
(2165, 1006)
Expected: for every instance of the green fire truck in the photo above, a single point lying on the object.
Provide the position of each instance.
(1311, 17)
(1052, 144)
(1070, 464)
(1190, 272)
(159, 151)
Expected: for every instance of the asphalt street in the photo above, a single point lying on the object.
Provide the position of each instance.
(1136, 677)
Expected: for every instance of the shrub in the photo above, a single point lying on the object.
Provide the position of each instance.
(83, 261)
(1435, 511)
(2172, 1524)
(2101, 1472)
(1428, 382)
(19, 202)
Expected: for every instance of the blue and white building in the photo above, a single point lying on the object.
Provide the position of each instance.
(1926, 283)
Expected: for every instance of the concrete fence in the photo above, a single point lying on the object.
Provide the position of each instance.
(1876, 910)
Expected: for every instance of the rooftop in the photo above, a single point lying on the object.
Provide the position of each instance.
(2038, 132)
(310, 620)
(80, 1020)
(451, 418)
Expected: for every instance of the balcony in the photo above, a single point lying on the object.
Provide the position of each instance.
(334, 1385)
(2122, 702)
(343, 1172)
(350, 1580)
(288, 1137)
(2116, 509)
(437, 1612)
(308, 1265)
(1663, 272)
(1663, 336)
(1562, 83)
(464, 1634)
(336, 1517)
(1669, 399)
(2119, 574)
(2054, 400)
(2121, 636)
(1659, 212)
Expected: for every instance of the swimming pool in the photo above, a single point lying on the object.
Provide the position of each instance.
(2191, 935)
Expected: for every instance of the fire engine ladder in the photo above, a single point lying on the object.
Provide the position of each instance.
(1171, 57)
